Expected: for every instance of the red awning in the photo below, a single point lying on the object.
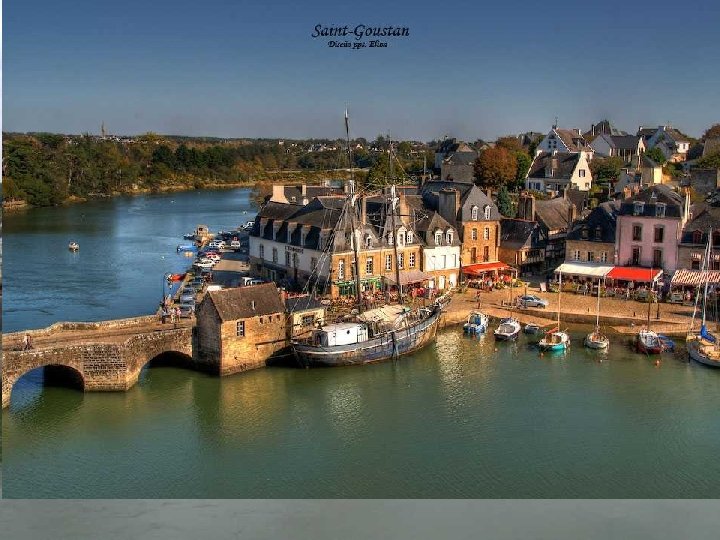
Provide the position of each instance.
(481, 268)
(634, 273)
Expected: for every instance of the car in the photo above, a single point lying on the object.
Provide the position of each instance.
(187, 309)
(187, 296)
(530, 300)
(235, 244)
(249, 225)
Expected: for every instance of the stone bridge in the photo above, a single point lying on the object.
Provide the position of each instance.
(103, 356)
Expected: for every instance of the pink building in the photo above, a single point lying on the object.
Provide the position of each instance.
(649, 227)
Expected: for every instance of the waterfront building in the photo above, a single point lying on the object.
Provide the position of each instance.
(476, 218)
(522, 245)
(555, 216)
(239, 329)
(649, 226)
(592, 239)
(305, 313)
(704, 220)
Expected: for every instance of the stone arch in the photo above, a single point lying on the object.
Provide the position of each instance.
(55, 372)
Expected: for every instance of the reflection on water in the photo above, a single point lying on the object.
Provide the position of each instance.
(462, 418)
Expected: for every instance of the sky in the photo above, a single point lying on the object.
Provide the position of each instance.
(251, 69)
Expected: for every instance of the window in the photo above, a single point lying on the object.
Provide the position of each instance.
(261, 251)
(638, 208)
(473, 255)
(275, 255)
(474, 213)
(486, 253)
(401, 238)
(657, 258)
(388, 262)
(444, 261)
(660, 210)
(287, 258)
(449, 238)
(486, 233)
(636, 256)
(296, 260)
(584, 233)
(401, 260)
(341, 269)
(409, 237)
(697, 237)
(576, 256)
(368, 241)
(433, 263)
(598, 233)
(390, 239)
(581, 173)
(637, 233)
(487, 211)
(473, 234)
(369, 266)
(240, 329)
(438, 238)
(659, 233)
(695, 265)
(591, 256)
(261, 320)
(411, 260)
(313, 263)
(603, 256)
(307, 320)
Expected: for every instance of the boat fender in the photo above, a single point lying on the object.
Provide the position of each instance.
(657, 363)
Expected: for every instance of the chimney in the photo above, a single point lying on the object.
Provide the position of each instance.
(526, 207)
(252, 304)
(572, 213)
(565, 192)
(448, 205)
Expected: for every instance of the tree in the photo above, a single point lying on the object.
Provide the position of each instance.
(495, 166)
(606, 168)
(511, 143)
(523, 166)
(656, 155)
(711, 161)
(711, 133)
(504, 203)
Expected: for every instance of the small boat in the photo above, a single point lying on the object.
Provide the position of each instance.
(532, 328)
(185, 247)
(701, 345)
(189, 236)
(508, 330)
(555, 339)
(476, 324)
(648, 342)
(176, 277)
(596, 339)
(73, 246)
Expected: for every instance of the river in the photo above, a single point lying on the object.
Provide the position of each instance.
(463, 418)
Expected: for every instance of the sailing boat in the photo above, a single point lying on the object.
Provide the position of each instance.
(556, 339)
(376, 335)
(509, 327)
(702, 346)
(596, 340)
(647, 341)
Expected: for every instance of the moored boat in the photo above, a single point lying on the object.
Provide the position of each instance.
(554, 340)
(532, 328)
(508, 330)
(477, 323)
(702, 346)
(648, 342)
(74, 246)
(596, 339)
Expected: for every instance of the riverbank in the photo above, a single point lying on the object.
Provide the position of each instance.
(627, 315)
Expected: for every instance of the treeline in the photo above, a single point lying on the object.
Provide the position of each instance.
(47, 169)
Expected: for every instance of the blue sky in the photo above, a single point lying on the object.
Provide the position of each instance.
(252, 69)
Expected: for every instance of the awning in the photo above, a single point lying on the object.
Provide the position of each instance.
(634, 273)
(587, 269)
(409, 276)
(694, 277)
(481, 268)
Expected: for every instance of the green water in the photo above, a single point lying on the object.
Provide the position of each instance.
(459, 419)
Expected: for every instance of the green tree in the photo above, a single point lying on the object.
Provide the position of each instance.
(606, 168)
(656, 155)
(495, 167)
(523, 166)
(504, 203)
(711, 161)
(510, 143)
(711, 133)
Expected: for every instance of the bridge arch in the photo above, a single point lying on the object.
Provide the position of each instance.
(55, 372)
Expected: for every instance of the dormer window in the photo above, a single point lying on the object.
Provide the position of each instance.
(598, 233)
(409, 237)
(390, 239)
(401, 237)
(449, 237)
(474, 213)
(438, 238)
(584, 233)
(368, 241)
(638, 208)
(487, 211)
(660, 210)
(697, 237)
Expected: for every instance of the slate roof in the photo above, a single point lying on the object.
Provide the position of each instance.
(623, 142)
(705, 218)
(468, 192)
(656, 194)
(573, 140)
(553, 213)
(294, 193)
(518, 233)
(566, 164)
(602, 218)
(237, 303)
(302, 303)
(461, 158)
(676, 136)
(647, 162)
(646, 133)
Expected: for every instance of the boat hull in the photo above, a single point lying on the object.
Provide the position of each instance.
(596, 344)
(507, 331)
(693, 347)
(384, 347)
(648, 343)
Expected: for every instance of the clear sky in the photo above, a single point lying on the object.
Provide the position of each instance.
(251, 68)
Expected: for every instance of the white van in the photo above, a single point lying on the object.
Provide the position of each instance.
(214, 288)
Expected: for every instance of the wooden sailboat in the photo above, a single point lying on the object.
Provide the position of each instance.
(702, 346)
(509, 327)
(647, 341)
(556, 339)
(597, 340)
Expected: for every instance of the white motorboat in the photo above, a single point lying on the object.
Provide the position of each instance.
(508, 330)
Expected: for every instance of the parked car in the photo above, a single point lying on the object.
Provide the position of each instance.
(246, 281)
(187, 309)
(235, 244)
(530, 300)
(249, 225)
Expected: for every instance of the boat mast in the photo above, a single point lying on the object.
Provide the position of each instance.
(707, 274)
(559, 294)
(652, 284)
(597, 311)
(354, 237)
(393, 200)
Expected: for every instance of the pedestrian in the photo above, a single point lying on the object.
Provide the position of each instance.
(27, 342)
(172, 315)
(177, 314)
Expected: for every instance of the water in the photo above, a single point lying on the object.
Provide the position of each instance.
(458, 419)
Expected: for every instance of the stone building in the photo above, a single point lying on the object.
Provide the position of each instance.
(555, 216)
(239, 329)
(704, 220)
(522, 245)
(592, 239)
(304, 314)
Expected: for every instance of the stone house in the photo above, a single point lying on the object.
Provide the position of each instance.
(704, 220)
(704, 181)
(305, 313)
(592, 239)
(455, 161)
(649, 226)
(239, 329)
(441, 249)
(523, 244)
(625, 147)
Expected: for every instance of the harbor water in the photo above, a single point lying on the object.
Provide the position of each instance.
(463, 418)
